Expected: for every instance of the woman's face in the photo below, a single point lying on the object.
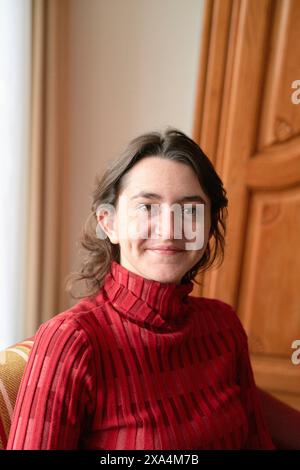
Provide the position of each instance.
(161, 205)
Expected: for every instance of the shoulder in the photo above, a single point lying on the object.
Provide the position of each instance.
(61, 365)
(72, 328)
(63, 351)
(224, 314)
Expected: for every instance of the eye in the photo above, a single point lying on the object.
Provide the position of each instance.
(144, 207)
(190, 210)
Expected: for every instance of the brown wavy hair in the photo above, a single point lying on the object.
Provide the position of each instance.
(173, 145)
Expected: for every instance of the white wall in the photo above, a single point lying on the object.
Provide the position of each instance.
(15, 60)
(133, 69)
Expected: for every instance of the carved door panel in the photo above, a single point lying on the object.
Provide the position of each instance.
(248, 122)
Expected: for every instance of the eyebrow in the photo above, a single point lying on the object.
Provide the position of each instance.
(148, 195)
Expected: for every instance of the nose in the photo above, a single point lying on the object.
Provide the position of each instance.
(165, 226)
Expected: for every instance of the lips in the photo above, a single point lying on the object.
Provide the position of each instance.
(166, 249)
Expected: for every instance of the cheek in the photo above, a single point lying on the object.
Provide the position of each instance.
(134, 227)
(196, 226)
(207, 224)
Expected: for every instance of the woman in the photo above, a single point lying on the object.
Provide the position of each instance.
(137, 363)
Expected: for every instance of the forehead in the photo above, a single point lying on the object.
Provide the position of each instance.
(162, 176)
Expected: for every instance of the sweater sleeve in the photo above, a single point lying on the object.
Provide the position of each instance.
(258, 434)
(55, 399)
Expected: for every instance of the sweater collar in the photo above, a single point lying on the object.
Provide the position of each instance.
(148, 302)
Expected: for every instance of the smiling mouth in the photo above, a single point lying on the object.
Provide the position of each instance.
(165, 251)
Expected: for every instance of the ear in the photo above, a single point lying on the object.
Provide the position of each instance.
(107, 224)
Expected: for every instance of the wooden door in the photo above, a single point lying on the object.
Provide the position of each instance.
(248, 122)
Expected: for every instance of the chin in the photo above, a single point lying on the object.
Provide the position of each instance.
(166, 277)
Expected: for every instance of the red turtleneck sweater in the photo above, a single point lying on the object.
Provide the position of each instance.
(141, 365)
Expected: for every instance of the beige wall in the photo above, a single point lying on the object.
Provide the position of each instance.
(133, 69)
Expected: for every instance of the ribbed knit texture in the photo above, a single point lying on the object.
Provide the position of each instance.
(141, 365)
